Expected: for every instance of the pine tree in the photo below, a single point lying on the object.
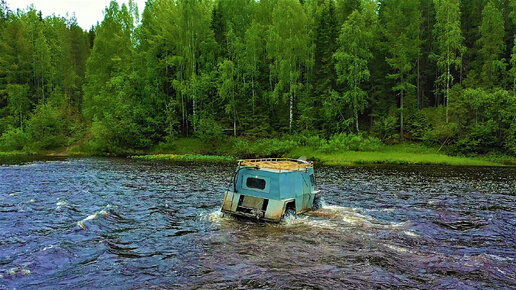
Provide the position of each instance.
(325, 46)
(326, 34)
(471, 19)
(402, 19)
(218, 26)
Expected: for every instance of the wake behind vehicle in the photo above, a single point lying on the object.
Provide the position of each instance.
(270, 188)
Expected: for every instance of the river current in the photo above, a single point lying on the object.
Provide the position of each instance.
(121, 223)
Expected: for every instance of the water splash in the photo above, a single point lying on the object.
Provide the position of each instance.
(216, 217)
(90, 217)
(353, 217)
(61, 204)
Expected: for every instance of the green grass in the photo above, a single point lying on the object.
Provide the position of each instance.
(13, 153)
(187, 157)
(194, 150)
(395, 154)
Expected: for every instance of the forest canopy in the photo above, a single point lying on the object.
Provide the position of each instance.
(441, 72)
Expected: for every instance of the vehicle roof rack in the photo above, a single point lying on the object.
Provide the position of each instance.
(277, 164)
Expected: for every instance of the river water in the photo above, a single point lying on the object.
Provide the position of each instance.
(120, 223)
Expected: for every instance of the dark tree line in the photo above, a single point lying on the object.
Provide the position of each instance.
(438, 71)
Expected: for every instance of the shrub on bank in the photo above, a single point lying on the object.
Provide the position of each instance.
(47, 128)
(14, 139)
(262, 147)
(351, 142)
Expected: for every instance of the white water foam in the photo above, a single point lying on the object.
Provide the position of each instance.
(90, 217)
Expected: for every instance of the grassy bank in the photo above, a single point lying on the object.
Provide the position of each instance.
(188, 158)
(323, 153)
(392, 155)
(409, 154)
(13, 153)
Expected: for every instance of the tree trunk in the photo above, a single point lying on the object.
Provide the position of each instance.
(291, 113)
(461, 68)
(234, 123)
(447, 68)
(291, 97)
(447, 90)
(356, 120)
(401, 113)
(418, 77)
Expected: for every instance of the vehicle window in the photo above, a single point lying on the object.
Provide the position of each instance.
(257, 183)
(312, 179)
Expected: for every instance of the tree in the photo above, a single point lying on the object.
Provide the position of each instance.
(227, 90)
(4, 11)
(345, 8)
(449, 40)
(513, 55)
(18, 101)
(326, 35)
(288, 50)
(492, 45)
(353, 55)
(401, 19)
(111, 101)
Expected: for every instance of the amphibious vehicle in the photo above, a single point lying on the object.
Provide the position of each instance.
(271, 188)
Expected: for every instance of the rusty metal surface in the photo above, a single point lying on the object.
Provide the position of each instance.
(252, 202)
(274, 211)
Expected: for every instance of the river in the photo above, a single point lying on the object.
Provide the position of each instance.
(121, 223)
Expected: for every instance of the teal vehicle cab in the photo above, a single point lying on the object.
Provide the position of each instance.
(268, 189)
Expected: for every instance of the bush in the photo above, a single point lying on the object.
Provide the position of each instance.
(417, 125)
(387, 127)
(262, 147)
(210, 131)
(272, 147)
(353, 142)
(100, 136)
(14, 139)
(240, 147)
(441, 134)
(510, 142)
(309, 140)
(47, 128)
(117, 134)
(481, 139)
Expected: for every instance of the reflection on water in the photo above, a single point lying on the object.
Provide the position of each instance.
(121, 223)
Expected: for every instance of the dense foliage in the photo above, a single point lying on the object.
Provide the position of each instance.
(349, 74)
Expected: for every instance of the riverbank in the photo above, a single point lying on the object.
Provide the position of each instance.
(192, 150)
(188, 158)
(349, 158)
(393, 156)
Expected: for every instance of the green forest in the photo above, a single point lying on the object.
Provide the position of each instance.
(331, 74)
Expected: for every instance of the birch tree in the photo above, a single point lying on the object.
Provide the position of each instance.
(447, 31)
(492, 45)
(288, 50)
(352, 57)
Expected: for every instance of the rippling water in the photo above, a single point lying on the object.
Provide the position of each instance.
(120, 223)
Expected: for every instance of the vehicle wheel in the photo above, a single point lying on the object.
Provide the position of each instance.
(317, 204)
(290, 212)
